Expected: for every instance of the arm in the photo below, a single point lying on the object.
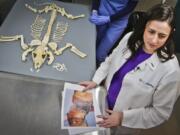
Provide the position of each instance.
(102, 71)
(128, 9)
(147, 117)
(162, 105)
(103, 19)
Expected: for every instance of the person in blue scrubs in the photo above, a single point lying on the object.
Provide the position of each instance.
(111, 18)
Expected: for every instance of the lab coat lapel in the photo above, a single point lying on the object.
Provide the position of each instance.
(151, 62)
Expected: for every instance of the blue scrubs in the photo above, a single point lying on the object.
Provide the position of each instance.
(108, 34)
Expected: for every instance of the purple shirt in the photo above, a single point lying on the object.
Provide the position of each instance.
(117, 79)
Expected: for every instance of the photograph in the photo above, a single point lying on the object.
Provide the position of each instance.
(78, 108)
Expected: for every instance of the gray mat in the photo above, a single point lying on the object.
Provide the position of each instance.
(30, 107)
(81, 33)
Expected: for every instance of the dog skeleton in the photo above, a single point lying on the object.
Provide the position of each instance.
(44, 50)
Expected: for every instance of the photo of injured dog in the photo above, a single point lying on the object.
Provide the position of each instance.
(78, 108)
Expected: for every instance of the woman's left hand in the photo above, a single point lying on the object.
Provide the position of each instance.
(112, 119)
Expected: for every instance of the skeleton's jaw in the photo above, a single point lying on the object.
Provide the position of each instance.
(39, 56)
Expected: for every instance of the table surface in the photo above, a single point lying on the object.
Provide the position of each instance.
(32, 106)
(80, 32)
(30, 102)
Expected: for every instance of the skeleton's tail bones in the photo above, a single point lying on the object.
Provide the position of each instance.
(53, 6)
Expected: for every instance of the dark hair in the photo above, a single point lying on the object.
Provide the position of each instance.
(160, 12)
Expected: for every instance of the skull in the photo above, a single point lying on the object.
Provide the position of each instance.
(39, 56)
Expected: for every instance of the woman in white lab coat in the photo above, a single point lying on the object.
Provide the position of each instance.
(141, 75)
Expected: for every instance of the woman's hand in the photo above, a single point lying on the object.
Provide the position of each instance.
(112, 119)
(88, 84)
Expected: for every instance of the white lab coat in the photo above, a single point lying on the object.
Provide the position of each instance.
(148, 93)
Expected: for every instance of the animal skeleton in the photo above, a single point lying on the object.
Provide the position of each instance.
(43, 49)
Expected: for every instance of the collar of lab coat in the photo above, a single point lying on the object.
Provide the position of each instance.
(152, 62)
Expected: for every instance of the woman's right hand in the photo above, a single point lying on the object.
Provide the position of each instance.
(88, 84)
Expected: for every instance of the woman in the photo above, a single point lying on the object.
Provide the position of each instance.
(111, 18)
(141, 75)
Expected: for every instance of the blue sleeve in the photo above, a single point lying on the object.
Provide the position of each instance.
(128, 9)
(95, 4)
